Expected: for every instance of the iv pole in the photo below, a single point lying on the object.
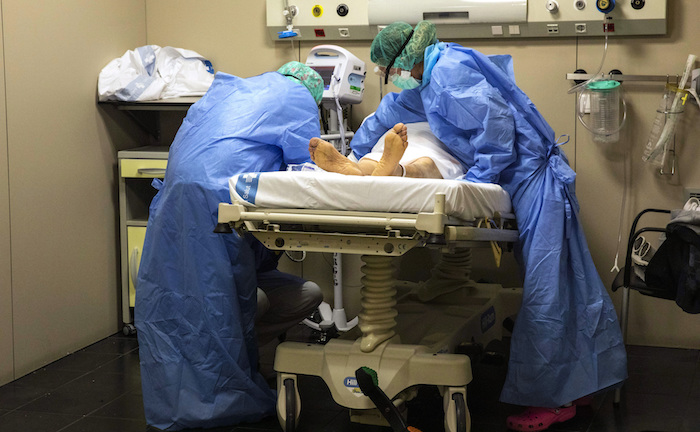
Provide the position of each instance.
(337, 135)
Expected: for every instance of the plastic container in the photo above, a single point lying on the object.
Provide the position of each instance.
(605, 111)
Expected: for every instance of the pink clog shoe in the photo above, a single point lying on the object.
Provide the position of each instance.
(538, 419)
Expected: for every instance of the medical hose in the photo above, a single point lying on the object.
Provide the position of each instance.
(581, 86)
(593, 77)
(669, 127)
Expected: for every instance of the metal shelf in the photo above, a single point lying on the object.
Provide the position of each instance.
(182, 103)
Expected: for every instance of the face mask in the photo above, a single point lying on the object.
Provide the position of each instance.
(405, 81)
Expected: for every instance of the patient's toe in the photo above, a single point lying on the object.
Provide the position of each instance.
(313, 146)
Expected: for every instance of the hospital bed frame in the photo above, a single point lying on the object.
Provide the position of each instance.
(378, 237)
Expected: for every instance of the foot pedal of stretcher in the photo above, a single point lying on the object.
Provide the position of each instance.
(369, 384)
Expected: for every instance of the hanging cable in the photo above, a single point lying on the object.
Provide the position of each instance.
(335, 82)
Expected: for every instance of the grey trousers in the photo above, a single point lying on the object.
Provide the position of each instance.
(284, 300)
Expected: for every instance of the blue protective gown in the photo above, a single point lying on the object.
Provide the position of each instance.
(196, 296)
(567, 341)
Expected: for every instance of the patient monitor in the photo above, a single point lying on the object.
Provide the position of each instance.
(343, 74)
(344, 84)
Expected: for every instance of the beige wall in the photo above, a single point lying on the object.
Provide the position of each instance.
(232, 34)
(6, 352)
(59, 159)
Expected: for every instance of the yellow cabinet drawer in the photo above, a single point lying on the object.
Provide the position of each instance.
(135, 237)
(143, 168)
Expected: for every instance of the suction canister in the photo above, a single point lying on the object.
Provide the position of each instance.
(605, 111)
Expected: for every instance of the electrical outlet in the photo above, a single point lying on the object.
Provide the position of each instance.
(552, 28)
(580, 27)
(691, 193)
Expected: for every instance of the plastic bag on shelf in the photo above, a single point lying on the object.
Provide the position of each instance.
(151, 72)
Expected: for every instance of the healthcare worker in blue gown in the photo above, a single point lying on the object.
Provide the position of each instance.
(566, 342)
(196, 299)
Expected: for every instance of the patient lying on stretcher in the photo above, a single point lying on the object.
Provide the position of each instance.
(406, 150)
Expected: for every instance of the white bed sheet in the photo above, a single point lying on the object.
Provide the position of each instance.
(330, 191)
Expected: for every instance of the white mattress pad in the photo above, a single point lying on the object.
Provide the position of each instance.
(330, 191)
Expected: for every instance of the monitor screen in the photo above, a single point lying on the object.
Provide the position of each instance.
(326, 73)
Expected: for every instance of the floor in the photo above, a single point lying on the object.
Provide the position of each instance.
(97, 389)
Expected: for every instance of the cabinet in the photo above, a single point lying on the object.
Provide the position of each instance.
(137, 169)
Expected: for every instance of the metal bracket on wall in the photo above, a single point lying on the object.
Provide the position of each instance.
(669, 79)
(148, 118)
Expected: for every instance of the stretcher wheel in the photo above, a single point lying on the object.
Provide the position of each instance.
(457, 417)
(460, 412)
(129, 329)
(288, 405)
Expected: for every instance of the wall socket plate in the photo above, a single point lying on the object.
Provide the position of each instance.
(690, 193)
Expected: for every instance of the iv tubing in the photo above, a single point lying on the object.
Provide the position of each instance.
(594, 77)
(577, 87)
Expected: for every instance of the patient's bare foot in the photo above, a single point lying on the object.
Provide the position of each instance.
(423, 167)
(395, 145)
(325, 155)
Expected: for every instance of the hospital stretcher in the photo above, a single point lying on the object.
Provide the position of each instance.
(381, 218)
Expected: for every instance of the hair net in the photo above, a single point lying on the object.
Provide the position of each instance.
(308, 77)
(388, 42)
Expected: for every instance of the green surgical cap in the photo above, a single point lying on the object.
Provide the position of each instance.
(299, 72)
(389, 41)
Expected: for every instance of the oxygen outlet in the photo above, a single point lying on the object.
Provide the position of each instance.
(552, 6)
(605, 6)
(580, 4)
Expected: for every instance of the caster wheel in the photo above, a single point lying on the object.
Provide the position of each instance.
(129, 330)
(288, 403)
(457, 417)
(460, 412)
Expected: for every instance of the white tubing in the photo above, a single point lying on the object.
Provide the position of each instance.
(670, 125)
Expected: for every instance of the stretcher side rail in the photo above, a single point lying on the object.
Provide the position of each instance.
(367, 233)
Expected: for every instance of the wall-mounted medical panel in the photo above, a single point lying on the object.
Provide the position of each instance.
(320, 20)
(582, 18)
(323, 20)
(383, 12)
